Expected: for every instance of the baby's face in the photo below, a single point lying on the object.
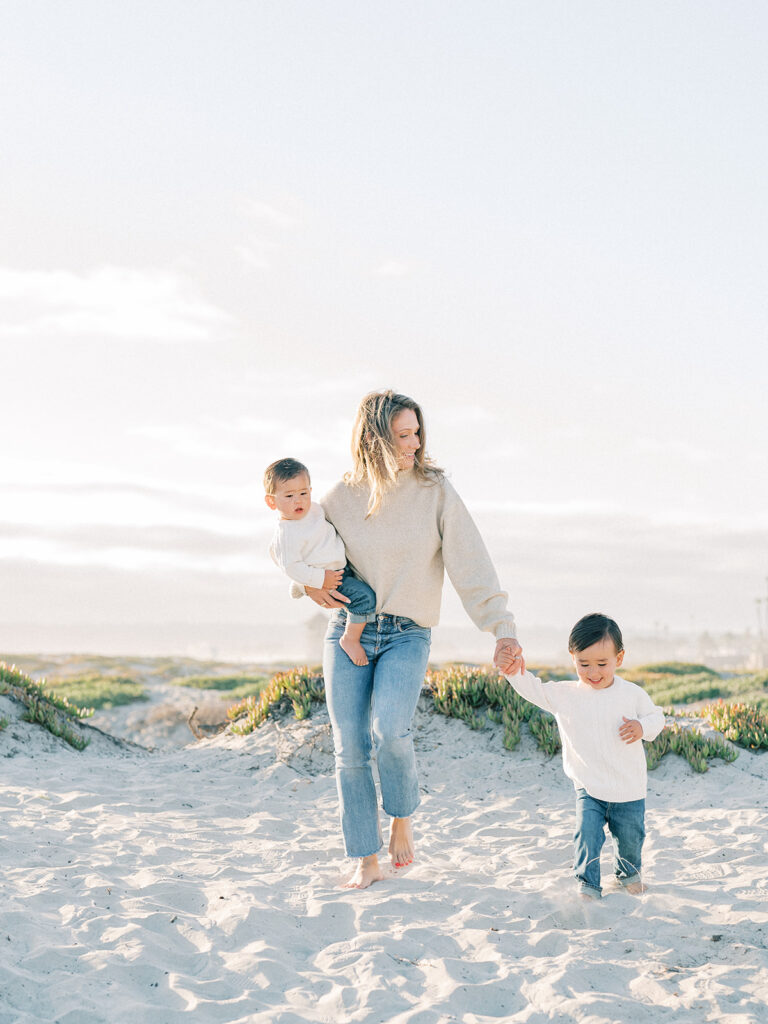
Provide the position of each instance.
(292, 498)
(596, 665)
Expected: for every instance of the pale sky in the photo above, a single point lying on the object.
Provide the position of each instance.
(224, 222)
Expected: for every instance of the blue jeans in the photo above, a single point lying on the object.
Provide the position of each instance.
(626, 823)
(374, 702)
(362, 600)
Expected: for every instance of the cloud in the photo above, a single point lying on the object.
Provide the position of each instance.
(669, 448)
(182, 439)
(223, 504)
(265, 213)
(395, 268)
(254, 255)
(119, 303)
(139, 549)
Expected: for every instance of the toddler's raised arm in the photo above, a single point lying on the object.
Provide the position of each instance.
(531, 688)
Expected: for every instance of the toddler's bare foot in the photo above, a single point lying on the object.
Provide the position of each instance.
(366, 872)
(354, 649)
(401, 849)
(636, 888)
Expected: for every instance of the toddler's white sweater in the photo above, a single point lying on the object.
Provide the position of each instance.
(305, 548)
(595, 757)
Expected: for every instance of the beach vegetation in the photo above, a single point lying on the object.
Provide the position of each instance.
(475, 695)
(675, 668)
(666, 688)
(54, 712)
(95, 692)
(3, 724)
(742, 724)
(297, 688)
(230, 686)
(688, 742)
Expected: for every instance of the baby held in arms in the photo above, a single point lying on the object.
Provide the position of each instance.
(310, 552)
(601, 718)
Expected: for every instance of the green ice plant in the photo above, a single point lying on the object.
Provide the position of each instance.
(243, 685)
(465, 692)
(742, 724)
(675, 668)
(475, 695)
(689, 743)
(297, 688)
(680, 683)
(96, 691)
(53, 712)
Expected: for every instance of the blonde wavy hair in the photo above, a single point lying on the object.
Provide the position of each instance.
(374, 453)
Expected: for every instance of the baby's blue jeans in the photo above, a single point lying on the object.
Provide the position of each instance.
(374, 702)
(626, 823)
(362, 600)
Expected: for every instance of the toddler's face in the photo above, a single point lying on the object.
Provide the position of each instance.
(596, 665)
(292, 498)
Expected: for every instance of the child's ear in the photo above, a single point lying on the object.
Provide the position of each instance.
(270, 500)
(619, 658)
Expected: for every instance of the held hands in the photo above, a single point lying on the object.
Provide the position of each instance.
(333, 578)
(630, 730)
(508, 656)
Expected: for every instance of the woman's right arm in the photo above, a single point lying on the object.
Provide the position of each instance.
(326, 598)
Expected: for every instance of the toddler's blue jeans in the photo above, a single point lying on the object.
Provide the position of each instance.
(626, 823)
(374, 702)
(362, 600)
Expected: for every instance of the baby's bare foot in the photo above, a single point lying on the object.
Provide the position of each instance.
(366, 872)
(401, 850)
(636, 888)
(354, 649)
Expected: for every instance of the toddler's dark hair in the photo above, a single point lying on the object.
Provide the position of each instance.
(282, 470)
(591, 630)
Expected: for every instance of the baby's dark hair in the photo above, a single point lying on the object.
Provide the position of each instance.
(591, 630)
(282, 470)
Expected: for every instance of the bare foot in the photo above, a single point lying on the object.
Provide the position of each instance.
(354, 649)
(636, 888)
(366, 872)
(401, 849)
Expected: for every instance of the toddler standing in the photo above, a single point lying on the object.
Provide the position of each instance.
(601, 717)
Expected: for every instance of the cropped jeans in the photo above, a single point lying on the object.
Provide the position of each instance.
(626, 823)
(369, 704)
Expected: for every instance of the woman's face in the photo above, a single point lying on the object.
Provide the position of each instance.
(405, 435)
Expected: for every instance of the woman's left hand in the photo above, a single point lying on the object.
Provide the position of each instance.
(508, 656)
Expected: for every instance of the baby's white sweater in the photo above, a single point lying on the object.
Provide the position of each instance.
(595, 757)
(402, 552)
(305, 548)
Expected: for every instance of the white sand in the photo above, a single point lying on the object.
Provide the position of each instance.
(201, 884)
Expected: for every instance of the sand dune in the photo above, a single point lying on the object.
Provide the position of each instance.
(202, 884)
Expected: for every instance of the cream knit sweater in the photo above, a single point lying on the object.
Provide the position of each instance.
(595, 757)
(421, 530)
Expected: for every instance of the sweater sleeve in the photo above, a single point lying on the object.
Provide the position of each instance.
(531, 688)
(286, 557)
(470, 569)
(652, 718)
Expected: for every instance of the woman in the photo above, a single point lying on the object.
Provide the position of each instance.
(402, 524)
